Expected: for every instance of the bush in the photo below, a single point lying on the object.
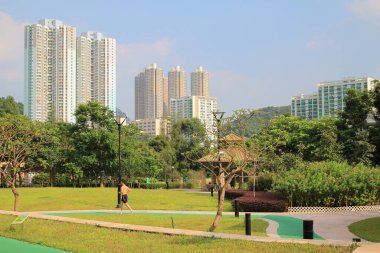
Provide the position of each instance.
(159, 185)
(264, 182)
(42, 179)
(329, 184)
(262, 202)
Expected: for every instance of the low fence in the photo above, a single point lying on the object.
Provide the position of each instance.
(342, 209)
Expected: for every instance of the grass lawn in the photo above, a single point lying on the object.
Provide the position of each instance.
(50, 199)
(368, 229)
(192, 222)
(84, 238)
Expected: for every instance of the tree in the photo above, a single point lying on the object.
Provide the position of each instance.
(228, 156)
(358, 106)
(94, 140)
(354, 133)
(162, 145)
(9, 106)
(189, 139)
(18, 138)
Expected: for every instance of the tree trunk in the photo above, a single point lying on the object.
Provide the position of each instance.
(221, 202)
(219, 212)
(16, 195)
(19, 179)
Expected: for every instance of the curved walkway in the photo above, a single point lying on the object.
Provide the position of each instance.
(328, 226)
(15, 246)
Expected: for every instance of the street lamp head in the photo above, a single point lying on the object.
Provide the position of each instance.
(218, 115)
(120, 120)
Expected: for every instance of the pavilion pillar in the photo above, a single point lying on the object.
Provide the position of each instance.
(241, 180)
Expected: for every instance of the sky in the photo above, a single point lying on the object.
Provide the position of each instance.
(258, 52)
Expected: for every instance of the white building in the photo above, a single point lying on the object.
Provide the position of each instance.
(149, 93)
(199, 82)
(330, 97)
(153, 126)
(195, 107)
(96, 69)
(50, 71)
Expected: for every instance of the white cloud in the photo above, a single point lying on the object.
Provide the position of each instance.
(367, 9)
(312, 44)
(378, 69)
(11, 51)
(132, 58)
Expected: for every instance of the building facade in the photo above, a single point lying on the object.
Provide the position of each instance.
(330, 97)
(154, 127)
(50, 71)
(195, 107)
(96, 69)
(62, 71)
(177, 83)
(149, 93)
(199, 83)
(305, 106)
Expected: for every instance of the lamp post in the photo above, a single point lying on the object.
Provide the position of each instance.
(119, 123)
(218, 117)
(255, 164)
(172, 173)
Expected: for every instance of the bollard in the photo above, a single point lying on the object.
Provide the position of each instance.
(212, 191)
(247, 224)
(308, 232)
(236, 208)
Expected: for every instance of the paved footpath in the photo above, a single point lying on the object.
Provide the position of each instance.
(332, 227)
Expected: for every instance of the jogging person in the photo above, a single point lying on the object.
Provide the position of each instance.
(124, 190)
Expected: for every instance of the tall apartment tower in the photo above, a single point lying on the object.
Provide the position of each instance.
(149, 95)
(177, 83)
(50, 71)
(329, 100)
(199, 82)
(195, 107)
(96, 69)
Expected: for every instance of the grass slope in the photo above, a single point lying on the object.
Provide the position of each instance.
(368, 229)
(45, 199)
(83, 238)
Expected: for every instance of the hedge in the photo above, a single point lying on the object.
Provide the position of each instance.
(262, 202)
(329, 184)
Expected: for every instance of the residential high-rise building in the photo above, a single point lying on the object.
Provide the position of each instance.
(149, 93)
(305, 106)
(195, 107)
(96, 69)
(158, 126)
(199, 82)
(330, 97)
(177, 83)
(50, 71)
(165, 97)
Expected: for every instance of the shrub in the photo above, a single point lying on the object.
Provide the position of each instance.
(159, 185)
(264, 182)
(329, 184)
(41, 179)
(262, 202)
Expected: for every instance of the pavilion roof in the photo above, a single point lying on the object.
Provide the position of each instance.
(229, 154)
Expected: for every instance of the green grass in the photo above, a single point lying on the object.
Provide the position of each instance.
(201, 223)
(84, 238)
(45, 199)
(368, 229)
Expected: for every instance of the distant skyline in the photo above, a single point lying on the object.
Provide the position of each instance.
(257, 53)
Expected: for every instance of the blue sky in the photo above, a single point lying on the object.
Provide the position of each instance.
(258, 52)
